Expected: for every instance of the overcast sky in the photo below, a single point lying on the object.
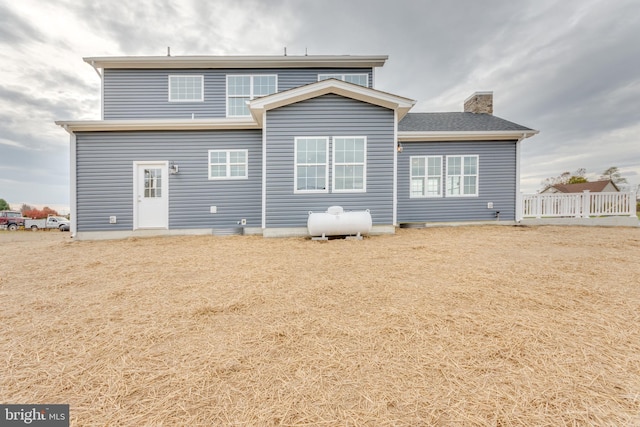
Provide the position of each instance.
(570, 69)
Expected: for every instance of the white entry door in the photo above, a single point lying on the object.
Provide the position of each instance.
(151, 195)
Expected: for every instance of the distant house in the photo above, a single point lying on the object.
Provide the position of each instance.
(198, 144)
(605, 186)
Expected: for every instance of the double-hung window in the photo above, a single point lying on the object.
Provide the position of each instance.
(462, 176)
(349, 165)
(312, 168)
(426, 176)
(359, 79)
(186, 88)
(243, 88)
(228, 164)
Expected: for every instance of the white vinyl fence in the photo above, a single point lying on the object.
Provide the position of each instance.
(578, 205)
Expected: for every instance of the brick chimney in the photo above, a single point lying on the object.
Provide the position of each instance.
(479, 102)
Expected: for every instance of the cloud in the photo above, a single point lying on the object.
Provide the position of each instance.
(15, 29)
(567, 68)
(11, 143)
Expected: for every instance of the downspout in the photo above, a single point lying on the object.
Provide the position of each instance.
(264, 171)
(395, 169)
(518, 195)
(73, 202)
(93, 65)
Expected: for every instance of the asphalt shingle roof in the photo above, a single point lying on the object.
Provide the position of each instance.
(594, 187)
(455, 122)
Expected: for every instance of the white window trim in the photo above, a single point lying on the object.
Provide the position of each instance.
(342, 76)
(426, 178)
(295, 166)
(228, 165)
(251, 95)
(462, 175)
(333, 167)
(201, 99)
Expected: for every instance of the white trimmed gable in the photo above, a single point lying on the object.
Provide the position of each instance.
(396, 103)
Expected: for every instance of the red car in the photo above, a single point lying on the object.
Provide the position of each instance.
(11, 220)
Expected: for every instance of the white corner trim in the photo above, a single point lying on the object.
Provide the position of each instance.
(394, 217)
(264, 171)
(73, 185)
(518, 195)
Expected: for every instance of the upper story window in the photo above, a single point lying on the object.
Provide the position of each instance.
(311, 165)
(186, 88)
(243, 88)
(359, 79)
(228, 164)
(426, 176)
(349, 164)
(462, 176)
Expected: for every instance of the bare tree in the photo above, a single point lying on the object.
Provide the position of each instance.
(613, 174)
(576, 177)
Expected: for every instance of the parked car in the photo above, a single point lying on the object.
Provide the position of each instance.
(50, 222)
(11, 220)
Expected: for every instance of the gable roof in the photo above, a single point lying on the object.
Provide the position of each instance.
(397, 103)
(594, 187)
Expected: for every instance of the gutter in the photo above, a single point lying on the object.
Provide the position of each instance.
(495, 135)
(138, 125)
(292, 61)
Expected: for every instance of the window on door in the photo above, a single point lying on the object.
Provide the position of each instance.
(152, 183)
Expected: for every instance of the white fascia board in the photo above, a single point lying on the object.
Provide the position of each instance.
(349, 90)
(73, 184)
(407, 136)
(136, 125)
(358, 61)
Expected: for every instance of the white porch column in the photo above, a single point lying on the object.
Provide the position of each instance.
(586, 203)
(519, 206)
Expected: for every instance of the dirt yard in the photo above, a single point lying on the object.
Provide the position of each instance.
(468, 326)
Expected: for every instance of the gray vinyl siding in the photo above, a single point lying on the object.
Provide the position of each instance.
(105, 178)
(328, 115)
(497, 183)
(143, 94)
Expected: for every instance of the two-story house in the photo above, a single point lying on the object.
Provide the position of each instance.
(195, 144)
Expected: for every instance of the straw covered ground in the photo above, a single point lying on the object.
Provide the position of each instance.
(465, 326)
